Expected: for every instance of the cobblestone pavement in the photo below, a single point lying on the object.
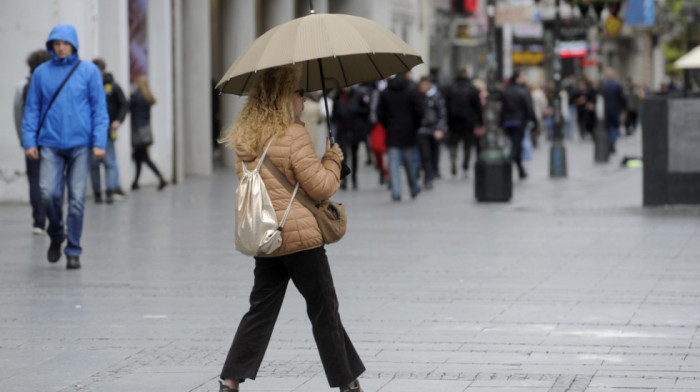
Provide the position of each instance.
(572, 286)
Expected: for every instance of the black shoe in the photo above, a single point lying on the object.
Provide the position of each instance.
(98, 197)
(134, 186)
(414, 194)
(356, 388)
(54, 253)
(224, 388)
(162, 185)
(108, 197)
(73, 262)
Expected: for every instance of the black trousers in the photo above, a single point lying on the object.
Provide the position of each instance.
(311, 274)
(465, 135)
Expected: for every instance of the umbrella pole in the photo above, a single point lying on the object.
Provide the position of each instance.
(344, 169)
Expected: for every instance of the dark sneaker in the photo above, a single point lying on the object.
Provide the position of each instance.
(224, 388)
(73, 262)
(118, 194)
(108, 197)
(98, 198)
(54, 253)
(356, 388)
(162, 185)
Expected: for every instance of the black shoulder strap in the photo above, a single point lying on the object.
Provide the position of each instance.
(54, 98)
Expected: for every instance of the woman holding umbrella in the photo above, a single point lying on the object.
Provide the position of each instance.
(272, 112)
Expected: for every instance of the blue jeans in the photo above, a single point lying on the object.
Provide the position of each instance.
(612, 125)
(111, 170)
(69, 167)
(407, 156)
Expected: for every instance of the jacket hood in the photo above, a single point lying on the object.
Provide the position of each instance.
(398, 83)
(64, 33)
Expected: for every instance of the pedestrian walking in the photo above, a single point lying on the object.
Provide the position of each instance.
(34, 60)
(399, 110)
(117, 108)
(615, 106)
(64, 119)
(141, 134)
(464, 117)
(272, 112)
(516, 114)
(432, 128)
(351, 109)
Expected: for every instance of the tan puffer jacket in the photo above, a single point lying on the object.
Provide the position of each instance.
(293, 153)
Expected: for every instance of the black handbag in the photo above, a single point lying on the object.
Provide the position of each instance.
(141, 136)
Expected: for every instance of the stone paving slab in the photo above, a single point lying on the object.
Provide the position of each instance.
(571, 286)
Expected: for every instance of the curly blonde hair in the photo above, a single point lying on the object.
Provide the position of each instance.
(269, 110)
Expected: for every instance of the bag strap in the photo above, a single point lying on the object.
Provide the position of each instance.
(303, 199)
(289, 207)
(41, 124)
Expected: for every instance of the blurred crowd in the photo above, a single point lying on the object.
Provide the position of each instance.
(404, 123)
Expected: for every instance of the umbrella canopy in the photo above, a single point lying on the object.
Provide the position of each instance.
(689, 60)
(352, 50)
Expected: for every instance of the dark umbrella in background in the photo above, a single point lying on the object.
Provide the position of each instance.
(342, 49)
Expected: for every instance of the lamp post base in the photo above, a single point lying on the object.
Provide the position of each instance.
(601, 143)
(557, 160)
(493, 180)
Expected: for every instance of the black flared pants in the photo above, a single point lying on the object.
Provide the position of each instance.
(311, 274)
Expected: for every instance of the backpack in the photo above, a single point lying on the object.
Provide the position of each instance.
(257, 231)
(459, 98)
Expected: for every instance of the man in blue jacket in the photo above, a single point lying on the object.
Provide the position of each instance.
(63, 133)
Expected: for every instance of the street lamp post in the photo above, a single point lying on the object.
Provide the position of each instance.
(493, 173)
(557, 153)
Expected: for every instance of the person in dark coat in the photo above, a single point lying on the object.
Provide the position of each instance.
(615, 106)
(400, 111)
(464, 115)
(431, 129)
(516, 113)
(350, 117)
(117, 108)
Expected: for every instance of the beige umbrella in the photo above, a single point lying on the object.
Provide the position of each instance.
(345, 49)
(689, 60)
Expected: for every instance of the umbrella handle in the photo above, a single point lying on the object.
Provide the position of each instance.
(344, 169)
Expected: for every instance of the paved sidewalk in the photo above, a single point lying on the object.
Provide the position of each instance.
(572, 286)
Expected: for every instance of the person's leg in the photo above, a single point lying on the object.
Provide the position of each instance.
(426, 158)
(311, 275)
(95, 178)
(254, 331)
(516, 135)
(408, 156)
(77, 169)
(468, 143)
(354, 150)
(613, 128)
(394, 175)
(38, 210)
(436, 158)
(51, 183)
(453, 138)
(111, 168)
(155, 170)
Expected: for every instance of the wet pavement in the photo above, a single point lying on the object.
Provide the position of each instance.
(571, 286)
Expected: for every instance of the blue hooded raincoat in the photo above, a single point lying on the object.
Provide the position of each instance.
(78, 116)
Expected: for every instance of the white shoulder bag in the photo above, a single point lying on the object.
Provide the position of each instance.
(257, 231)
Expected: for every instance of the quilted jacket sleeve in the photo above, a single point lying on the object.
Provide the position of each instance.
(319, 179)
